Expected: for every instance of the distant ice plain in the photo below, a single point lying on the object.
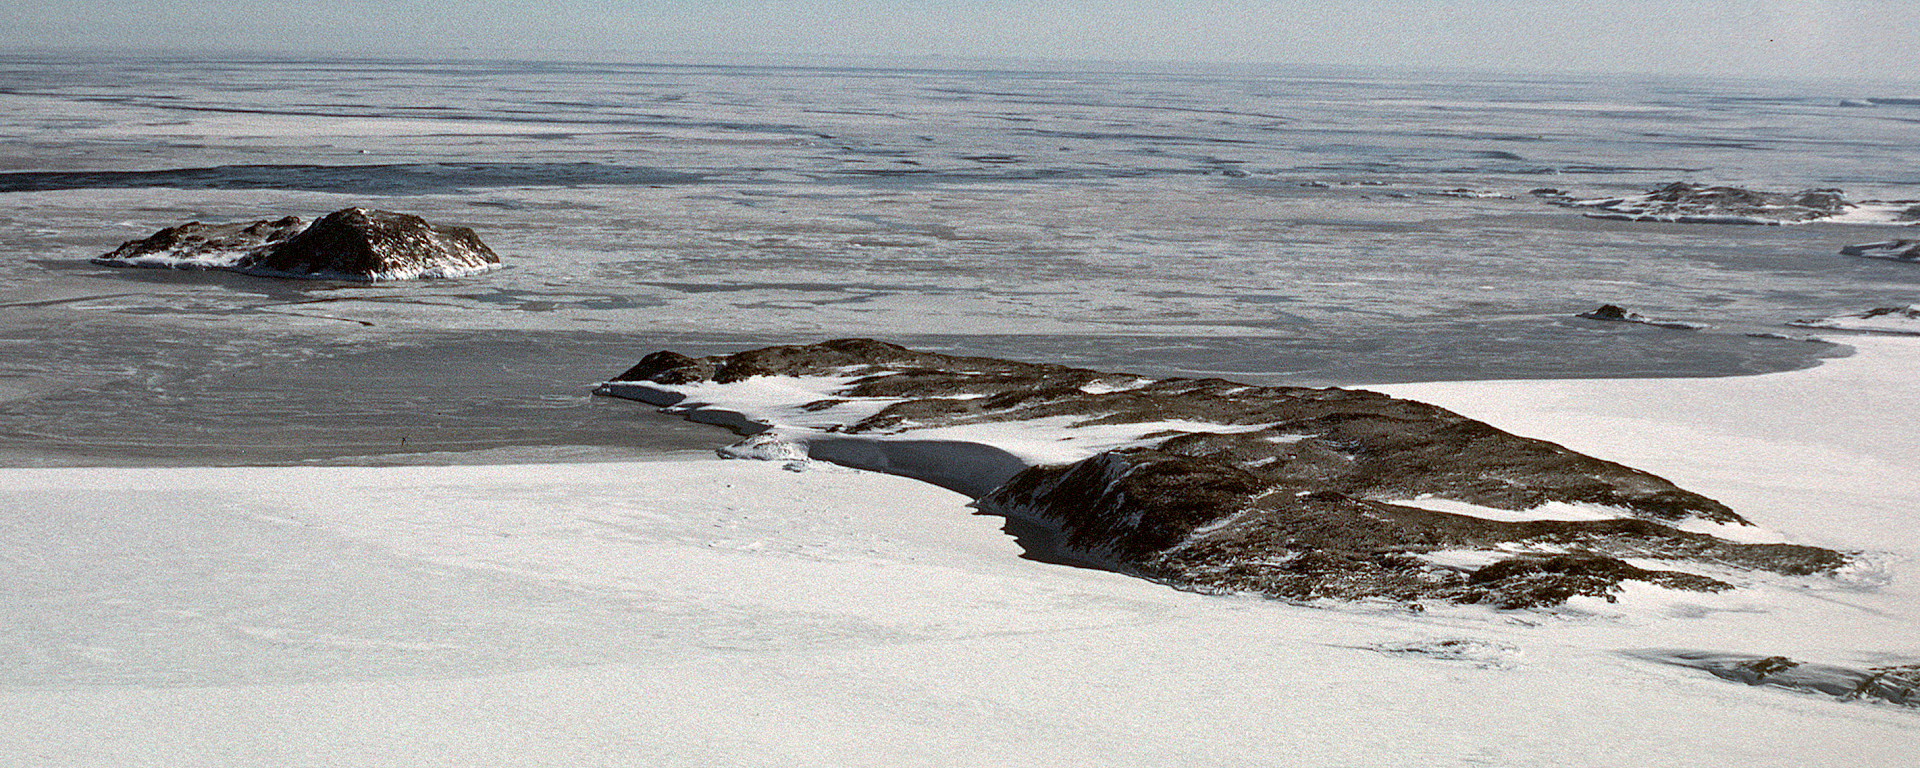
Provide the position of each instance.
(1097, 218)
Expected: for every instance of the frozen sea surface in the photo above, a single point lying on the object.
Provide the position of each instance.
(1264, 225)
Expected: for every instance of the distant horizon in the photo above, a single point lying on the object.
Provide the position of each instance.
(926, 62)
(1803, 40)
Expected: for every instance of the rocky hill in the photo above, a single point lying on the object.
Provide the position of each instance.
(349, 244)
(1207, 484)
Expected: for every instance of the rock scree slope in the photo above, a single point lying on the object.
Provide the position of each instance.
(1211, 485)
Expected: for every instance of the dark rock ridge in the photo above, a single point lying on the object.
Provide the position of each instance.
(349, 244)
(1292, 497)
(1892, 685)
(1617, 314)
(1897, 250)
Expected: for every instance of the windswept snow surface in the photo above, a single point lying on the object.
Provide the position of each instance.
(708, 612)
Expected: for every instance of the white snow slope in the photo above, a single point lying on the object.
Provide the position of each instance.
(730, 613)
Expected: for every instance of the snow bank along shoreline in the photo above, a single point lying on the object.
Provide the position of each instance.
(1212, 485)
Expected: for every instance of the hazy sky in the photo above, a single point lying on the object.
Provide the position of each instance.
(1771, 37)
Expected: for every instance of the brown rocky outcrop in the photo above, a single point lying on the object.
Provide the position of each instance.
(1285, 491)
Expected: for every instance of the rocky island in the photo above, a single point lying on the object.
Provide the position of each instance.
(359, 244)
(1687, 203)
(1615, 313)
(1212, 485)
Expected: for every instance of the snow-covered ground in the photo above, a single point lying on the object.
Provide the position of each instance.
(708, 612)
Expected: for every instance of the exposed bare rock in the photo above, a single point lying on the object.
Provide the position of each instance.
(1208, 522)
(1617, 314)
(350, 244)
(379, 245)
(1206, 484)
(1521, 582)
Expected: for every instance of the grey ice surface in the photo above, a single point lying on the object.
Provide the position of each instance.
(1273, 226)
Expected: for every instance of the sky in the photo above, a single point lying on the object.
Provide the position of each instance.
(1772, 38)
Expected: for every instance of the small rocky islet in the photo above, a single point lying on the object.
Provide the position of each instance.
(1688, 203)
(357, 244)
(1615, 313)
(1290, 492)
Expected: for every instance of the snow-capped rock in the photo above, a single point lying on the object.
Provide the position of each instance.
(359, 244)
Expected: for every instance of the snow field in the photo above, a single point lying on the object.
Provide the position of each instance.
(716, 612)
